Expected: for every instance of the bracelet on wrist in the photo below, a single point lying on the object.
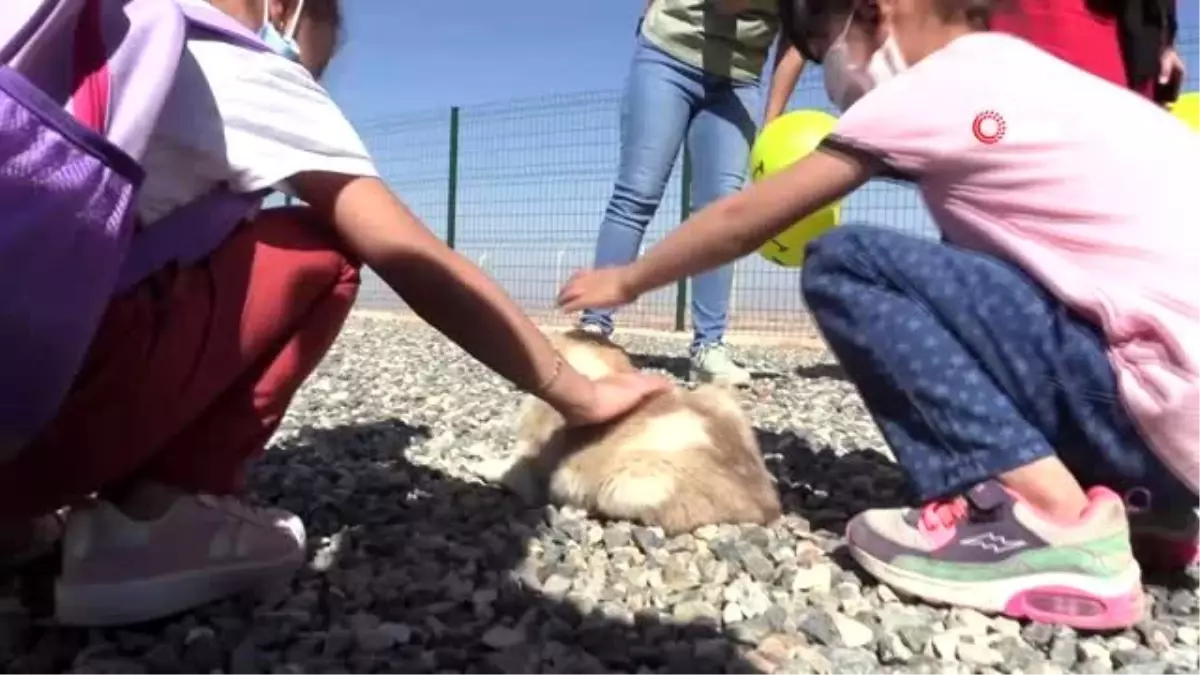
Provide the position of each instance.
(549, 381)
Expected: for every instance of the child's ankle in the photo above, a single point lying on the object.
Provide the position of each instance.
(1049, 487)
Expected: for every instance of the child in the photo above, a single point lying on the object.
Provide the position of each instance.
(192, 370)
(1049, 346)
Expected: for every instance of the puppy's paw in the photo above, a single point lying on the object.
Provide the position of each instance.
(493, 470)
(516, 474)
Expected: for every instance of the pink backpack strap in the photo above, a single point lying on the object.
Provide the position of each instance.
(90, 62)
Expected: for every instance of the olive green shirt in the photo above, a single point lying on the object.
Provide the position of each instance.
(729, 38)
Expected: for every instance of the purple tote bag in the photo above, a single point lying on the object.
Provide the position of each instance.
(73, 124)
(82, 83)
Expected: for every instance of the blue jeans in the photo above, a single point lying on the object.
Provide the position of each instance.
(664, 100)
(971, 369)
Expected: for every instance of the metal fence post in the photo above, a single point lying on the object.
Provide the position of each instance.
(452, 182)
(685, 210)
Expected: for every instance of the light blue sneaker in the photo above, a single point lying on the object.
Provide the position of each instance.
(591, 328)
(712, 364)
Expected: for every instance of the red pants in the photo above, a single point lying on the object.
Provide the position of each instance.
(1069, 30)
(191, 371)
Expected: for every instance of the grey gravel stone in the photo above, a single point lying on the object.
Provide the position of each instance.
(820, 627)
(1064, 649)
(894, 650)
(417, 566)
(1096, 667)
(978, 654)
(1152, 667)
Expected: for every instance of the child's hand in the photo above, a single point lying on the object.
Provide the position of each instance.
(594, 289)
(1170, 66)
(613, 396)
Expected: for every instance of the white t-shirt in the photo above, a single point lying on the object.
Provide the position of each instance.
(244, 118)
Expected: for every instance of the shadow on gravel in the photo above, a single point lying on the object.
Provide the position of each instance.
(411, 570)
(443, 556)
(680, 366)
(822, 371)
(827, 488)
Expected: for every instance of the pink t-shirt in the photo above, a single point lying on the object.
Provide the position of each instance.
(1088, 187)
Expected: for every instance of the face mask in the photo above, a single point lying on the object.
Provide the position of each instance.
(283, 44)
(846, 82)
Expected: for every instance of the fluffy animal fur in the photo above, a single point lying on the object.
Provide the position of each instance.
(681, 460)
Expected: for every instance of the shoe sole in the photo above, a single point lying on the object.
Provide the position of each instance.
(149, 599)
(1075, 600)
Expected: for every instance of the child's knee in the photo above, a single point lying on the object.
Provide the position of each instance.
(830, 257)
(851, 252)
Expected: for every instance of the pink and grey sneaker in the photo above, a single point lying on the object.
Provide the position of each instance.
(991, 551)
(1165, 541)
(120, 571)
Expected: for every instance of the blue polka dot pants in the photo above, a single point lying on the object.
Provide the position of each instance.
(970, 368)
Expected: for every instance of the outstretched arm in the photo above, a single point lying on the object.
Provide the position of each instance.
(724, 231)
(457, 298)
(739, 224)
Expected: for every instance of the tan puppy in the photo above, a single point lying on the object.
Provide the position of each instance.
(681, 460)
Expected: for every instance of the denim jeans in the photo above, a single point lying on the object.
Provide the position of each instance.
(972, 369)
(665, 100)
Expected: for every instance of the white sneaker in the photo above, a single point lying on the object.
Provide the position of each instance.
(713, 364)
(592, 328)
(119, 571)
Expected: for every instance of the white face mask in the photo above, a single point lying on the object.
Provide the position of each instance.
(846, 82)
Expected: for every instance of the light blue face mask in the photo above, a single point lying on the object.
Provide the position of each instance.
(283, 44)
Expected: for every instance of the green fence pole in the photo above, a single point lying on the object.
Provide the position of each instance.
(452, 182)
(685, 210)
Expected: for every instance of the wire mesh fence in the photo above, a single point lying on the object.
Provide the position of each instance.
(520, 188)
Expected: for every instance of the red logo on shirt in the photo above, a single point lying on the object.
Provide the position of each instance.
(988, 127)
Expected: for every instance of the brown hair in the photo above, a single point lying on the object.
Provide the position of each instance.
(322, 11)
(808, 24)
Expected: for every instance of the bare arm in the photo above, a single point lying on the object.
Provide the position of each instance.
(733, 227)
(443, 287)
(789, 65)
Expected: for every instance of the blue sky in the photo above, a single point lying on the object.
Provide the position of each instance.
(406, 55)
(538, 82)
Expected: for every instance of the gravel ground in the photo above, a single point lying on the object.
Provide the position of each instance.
(418, 567)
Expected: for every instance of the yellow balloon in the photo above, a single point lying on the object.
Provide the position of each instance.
(783, 142)
(1187, 108)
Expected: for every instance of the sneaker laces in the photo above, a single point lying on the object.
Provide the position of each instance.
(942, 514)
